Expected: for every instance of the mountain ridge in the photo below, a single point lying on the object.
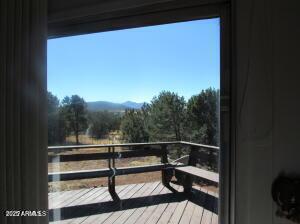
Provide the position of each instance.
(111, 106)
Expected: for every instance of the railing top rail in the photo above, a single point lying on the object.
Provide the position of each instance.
(54, 148)
(199, 145)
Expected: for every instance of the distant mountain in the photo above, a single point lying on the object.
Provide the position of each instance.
(115, 107)
(133, 105)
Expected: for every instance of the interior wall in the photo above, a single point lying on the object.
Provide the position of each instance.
(267, 35)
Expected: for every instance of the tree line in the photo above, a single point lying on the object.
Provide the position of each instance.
(167, 117)
(71, 117)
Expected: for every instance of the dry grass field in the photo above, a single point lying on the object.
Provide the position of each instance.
(113, 137)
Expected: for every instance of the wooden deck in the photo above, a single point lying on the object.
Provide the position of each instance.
(140, 203)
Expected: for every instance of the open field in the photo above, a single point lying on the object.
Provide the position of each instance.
(113, 137)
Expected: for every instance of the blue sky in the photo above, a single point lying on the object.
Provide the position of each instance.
(136, 64)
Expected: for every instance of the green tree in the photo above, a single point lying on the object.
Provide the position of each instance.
(133, 126)
(203, 116)
(75, 115)
(53, 107)
(53, 103)
(56, 123)
(102, 122)
(167, 117)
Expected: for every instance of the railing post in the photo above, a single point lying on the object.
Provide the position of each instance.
(188, 180)
(111, 179)
(192, 158)
(167, 173)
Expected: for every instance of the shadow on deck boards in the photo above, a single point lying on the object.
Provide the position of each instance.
(200, 198)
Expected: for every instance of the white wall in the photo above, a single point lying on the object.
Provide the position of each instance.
(268, 73)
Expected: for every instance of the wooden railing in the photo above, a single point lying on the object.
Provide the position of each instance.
(158, 149)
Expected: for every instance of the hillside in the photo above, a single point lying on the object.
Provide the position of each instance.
(110, 106)
(133, 105)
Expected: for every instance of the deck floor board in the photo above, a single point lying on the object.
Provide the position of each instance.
(149, 203)
(140, 209)
(127, 213)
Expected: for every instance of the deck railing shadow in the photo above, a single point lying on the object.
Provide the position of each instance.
(198, 197)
